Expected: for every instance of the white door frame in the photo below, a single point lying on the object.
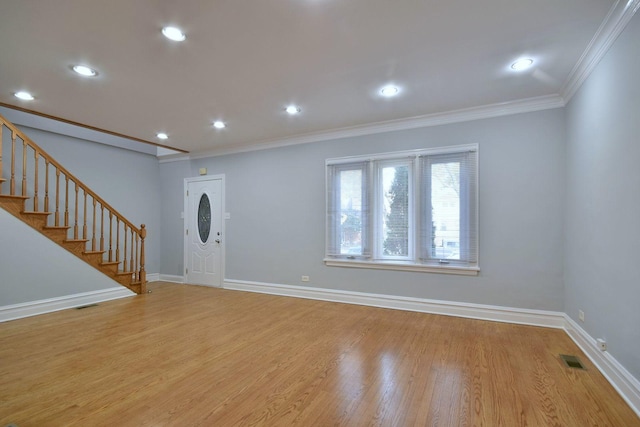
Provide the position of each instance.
(185, 225)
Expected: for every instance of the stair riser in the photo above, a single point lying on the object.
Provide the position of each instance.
(93, 259)
(35, 220)
(13, 206)
(57, 235)
(110, 269)
(124, 280)
(76, 247)
(138, 288)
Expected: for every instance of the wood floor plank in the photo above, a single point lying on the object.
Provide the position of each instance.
(196, 356)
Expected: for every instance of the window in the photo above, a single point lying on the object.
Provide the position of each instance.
(412, 210)
(204, 218)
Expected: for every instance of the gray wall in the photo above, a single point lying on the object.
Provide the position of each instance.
(276, 199)
(33, 267)
(602, 264)
(172, 183)
(127, 180)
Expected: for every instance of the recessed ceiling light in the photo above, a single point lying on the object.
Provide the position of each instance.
(25, 96)
(389, 91)
(292, 109)
(83, 70)
(219, 125)
(522, 64)
(162, 135)
(174, 33)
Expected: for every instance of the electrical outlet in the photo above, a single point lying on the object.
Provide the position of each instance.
(581, 315)
(305, 278)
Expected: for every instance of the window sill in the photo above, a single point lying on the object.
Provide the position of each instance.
(402, 266)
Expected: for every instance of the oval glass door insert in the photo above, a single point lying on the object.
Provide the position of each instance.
(204, 218)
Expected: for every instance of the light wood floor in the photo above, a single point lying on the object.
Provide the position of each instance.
(195, 356)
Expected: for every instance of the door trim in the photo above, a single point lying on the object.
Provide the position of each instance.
(185, 241)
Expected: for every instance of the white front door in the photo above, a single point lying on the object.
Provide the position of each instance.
(203, 231)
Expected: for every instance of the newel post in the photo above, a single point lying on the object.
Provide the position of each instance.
(143, 273)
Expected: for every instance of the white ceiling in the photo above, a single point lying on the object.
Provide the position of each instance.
(244, 61)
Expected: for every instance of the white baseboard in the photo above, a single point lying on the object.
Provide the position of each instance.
(614, 372)
(170, 278)
(153, 277)
(34, 308)
(625, 383)
(550, 319)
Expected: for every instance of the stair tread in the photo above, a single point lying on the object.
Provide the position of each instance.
(76, 240)
(124, 273)
(93, 252)
(36, 213)
(110, 263)
(13, 196)
(56, 227)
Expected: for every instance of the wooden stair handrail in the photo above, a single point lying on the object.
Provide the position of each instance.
(68, 174)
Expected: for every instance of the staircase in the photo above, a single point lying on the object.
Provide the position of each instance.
(72, 215)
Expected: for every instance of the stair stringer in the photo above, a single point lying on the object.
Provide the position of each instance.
(59, 235)
(34, 268)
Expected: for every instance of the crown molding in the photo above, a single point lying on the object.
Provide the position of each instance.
(612, 26)
(614, 23)
(437, 119)
(173, 158)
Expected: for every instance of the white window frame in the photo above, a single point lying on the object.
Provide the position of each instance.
(415, 261)
(333, 204)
